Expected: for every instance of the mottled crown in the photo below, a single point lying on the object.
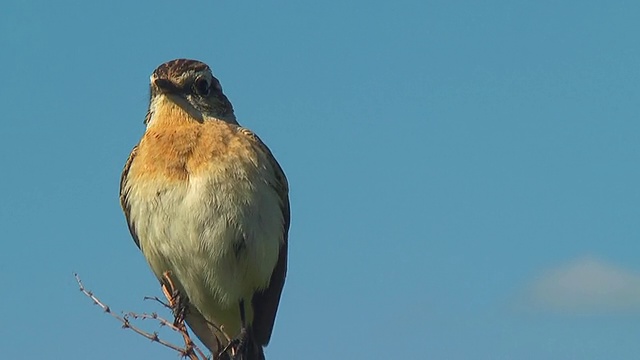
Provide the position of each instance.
(176, 68)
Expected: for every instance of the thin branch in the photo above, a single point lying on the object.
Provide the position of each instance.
(191, 350)
(154, 316)
(156, 299)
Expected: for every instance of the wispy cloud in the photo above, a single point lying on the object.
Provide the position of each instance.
(585, 285)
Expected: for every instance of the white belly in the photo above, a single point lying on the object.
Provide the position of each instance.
(219, 236)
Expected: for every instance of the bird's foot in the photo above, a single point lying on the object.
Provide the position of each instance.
(237, 346)
(177, 302)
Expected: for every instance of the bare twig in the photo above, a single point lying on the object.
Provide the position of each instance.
(191, 350)
(156, 299)
(153, 316)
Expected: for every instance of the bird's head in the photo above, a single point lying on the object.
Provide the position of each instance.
(191, 85)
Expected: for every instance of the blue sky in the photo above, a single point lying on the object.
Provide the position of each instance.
(464, 175)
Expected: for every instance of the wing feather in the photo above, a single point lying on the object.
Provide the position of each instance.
(265, 302)
(124, 195)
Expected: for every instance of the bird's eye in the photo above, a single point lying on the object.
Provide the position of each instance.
(202, 86)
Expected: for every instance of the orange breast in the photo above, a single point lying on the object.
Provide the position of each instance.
(175, 145)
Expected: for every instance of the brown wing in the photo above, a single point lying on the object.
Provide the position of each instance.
(124, 201)
(265, 302)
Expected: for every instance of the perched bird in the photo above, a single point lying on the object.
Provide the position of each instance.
(207, 203)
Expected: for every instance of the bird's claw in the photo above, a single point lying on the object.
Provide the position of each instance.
(237, 346)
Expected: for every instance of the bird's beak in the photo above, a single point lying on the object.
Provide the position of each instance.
(165, 86)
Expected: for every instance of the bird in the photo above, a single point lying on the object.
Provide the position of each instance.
(207, 203)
